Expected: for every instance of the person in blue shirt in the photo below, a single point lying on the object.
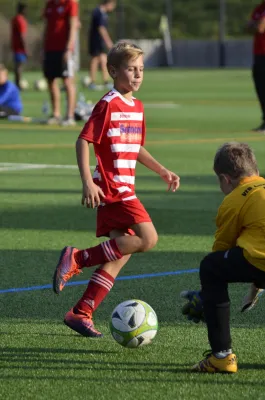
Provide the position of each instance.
(10, 102)
(99, 40)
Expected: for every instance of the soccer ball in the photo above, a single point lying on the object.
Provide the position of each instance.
(40, 85)
(133, 323)
(24, 84)
(86, 81)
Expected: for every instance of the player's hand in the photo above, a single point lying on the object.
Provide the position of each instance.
(66, 55)
(193, 309)
(171, 179)
(92, 196)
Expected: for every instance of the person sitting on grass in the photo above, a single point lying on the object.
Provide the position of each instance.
(10, 102)
(238, 253)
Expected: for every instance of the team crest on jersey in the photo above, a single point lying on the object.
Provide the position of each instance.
(130, 132)
(60, 9)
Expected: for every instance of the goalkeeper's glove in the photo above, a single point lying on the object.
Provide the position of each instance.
(251, 298)
(193, 309)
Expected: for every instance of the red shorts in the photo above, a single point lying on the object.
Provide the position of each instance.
(120, 215)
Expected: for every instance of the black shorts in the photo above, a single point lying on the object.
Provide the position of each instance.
(54, 65)
(96, 47)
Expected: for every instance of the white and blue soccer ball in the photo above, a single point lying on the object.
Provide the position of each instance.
(133, 324)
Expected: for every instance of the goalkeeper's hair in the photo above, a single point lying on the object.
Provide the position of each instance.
(236, 160)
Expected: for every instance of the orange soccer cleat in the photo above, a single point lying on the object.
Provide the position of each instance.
(65, 269)
(82, 324)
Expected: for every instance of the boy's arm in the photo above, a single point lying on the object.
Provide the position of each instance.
(5, 96)
(145, 158)
(105, 36)
(256, 26)
(91, 193)
(227, 231)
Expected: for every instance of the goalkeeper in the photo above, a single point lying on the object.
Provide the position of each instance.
(238, 253)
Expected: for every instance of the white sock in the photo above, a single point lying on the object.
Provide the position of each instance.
(223, 353)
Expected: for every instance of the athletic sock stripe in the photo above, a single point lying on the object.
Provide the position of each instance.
(99, 278)
(112, 252)
(109, 251)
(100, 282)
(106, 251)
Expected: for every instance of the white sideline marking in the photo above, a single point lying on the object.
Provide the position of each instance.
(22, 166)
(161, 105)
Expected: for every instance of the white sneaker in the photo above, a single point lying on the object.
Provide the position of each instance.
(54, 121)
(68, 122)
(108, 85)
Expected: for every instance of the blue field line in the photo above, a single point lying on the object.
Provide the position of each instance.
(120, 278)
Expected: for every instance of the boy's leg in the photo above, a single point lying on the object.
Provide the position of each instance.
(104, 69)
(80, 317)
(18, 72)
(216, 271)
(93, 68)
(72, 260)
(69, 84)
(54, 91)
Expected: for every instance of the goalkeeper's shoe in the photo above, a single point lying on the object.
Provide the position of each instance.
(212, 364)
(65, 269)
(251, 298)
(82, 324)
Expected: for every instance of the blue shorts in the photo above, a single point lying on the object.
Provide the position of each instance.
(20, 57)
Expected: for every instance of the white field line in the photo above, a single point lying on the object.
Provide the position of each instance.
(22, 166)
(161, 105)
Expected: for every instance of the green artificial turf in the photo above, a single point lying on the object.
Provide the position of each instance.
(189, 114)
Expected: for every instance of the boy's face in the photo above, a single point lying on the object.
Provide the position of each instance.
(111, 6)
(3, 76)
(129, 76)
(226, 184)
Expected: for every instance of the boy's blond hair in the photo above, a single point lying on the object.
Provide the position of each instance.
(236, 160)
(2, 67)
(123, 51)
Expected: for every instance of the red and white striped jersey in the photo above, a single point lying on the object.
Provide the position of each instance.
(117, 130)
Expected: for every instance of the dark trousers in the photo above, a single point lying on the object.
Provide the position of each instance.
(258, 73)
(6, 111)
(216, 271)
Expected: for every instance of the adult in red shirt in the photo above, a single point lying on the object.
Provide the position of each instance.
(59, 40)
(256, 25)
(19, 28)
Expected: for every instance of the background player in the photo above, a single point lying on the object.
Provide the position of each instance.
(100, 40)
(59, 40)
(117, 131)
(19, 28)
(10, 102)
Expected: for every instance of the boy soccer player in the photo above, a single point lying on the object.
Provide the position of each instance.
(238, 251)
(19, 27)
(117, 131)
(10, 102)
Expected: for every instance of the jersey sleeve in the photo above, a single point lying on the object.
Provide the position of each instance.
(97, 124)
(227, 231)
(22, 25)
(73, 11)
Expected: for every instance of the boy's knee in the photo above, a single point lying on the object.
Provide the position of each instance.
(149, 242)
(206, 266)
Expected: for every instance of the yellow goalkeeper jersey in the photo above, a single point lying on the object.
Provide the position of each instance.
(241, 221)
